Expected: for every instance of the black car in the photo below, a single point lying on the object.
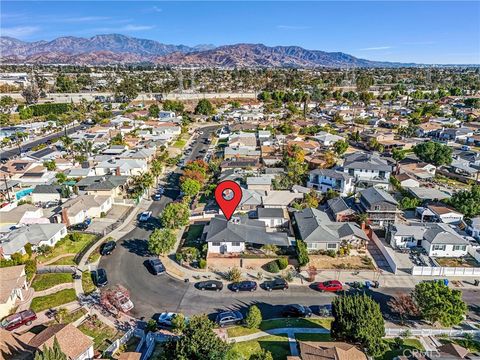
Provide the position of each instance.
(210, 285)
(107, 248)
(244, 286)
(100, 277)
(156, 266)
(81, 226)
(296, 310)
(229, 318)
(277, 284)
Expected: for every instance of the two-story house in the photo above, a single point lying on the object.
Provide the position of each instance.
(328, 179)
(369, 169)
(381, 207)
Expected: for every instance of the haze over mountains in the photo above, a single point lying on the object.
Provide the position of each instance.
(121, 49)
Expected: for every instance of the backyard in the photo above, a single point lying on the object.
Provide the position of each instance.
(46, 281)
(191, 248)
(69, 245)
(102, 335)
(53, 300)
(393, 350)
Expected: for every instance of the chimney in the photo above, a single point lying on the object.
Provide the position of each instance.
(117, 171)
(65, 217)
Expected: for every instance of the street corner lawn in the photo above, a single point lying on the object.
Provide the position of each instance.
(192, 234)
(61, 297)
(276, 344)
(393, 351)
(102, 335)
(280, 323)
(87, 283)
(68, 246)
(180, 143)
(47, 281)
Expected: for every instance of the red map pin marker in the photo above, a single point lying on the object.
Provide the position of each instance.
(228, 195)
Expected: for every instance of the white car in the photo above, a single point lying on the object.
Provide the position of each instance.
(165, 319)
(144, 216)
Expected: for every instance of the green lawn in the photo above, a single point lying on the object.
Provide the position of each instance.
(56, 299)
(276, 344)
(103, 335)
(66, 260)
(193, 233)
(313, 337)
(87, 283)
(68, 246)
(392, 352)
(71, 317)
(180, 143)
(46, 281)
(280, 323)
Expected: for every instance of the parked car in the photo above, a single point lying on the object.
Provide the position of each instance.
(25, 317)
(144, 216)
(277, 284)
(296, 310)
(157, 196)
(79, 227)
(331, 285)
(210, 285)
(107, 248)
(100, 277)
(165, 319)
(229, 318)
(156, 266)
(244, 286)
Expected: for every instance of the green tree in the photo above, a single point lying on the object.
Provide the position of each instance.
(53, 353)
(467, 201)
(172, 105)
(179, 324)
(438, 303)
(31, 94)
(340, 147)
(6, 102)
(204, 107)
(358, 319)
(50, 165)
(25, 113)
(175, 215)
(262, 354)
(127, 88)
(190, 187)
(302, 253)
(154, 110)
(161, 241)
(199, 342)
(234, 274)
(254, 317)
(364, 82)
(433, 153)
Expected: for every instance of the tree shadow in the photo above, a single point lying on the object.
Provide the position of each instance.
(137, 246)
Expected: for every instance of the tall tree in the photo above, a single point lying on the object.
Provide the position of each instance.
(161, 241)
(53, 353)
(433, 153)
(175, 215)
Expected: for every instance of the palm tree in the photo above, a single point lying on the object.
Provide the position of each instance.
(67, 142)
(362, 218)
(156, 169)
(87, 147)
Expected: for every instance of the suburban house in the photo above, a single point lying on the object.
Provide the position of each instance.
(320, 233)
(35, 234)
(473, 227)
(380, 206)
(327, 139)
(73, 343)
(13, 282)
(439, 240)
(339, 210)
(369, 169)
(259, 183)
(46, 193)
(328, 351)
(22, 214)
(78, 209)
(107, 185)
(243, 140)
(443, 213)
(329, 179)
(126, 167)
(273, 217)
(240, 232)
(406, 181)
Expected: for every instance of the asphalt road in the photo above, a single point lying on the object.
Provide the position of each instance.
(154, 294)
(5, 155)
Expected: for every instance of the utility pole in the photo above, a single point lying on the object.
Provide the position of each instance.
(6, 187)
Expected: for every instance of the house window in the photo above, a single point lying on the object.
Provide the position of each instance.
(439, 247)
(331, 246)
(459, 247)
(215, 244)
(376, 207)
(235, 243)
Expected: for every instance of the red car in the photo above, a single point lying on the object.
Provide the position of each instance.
(14, 321)
(332, 285)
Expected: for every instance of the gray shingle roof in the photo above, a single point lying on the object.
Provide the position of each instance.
(373, 195)
(47, 189)
(368, 161)
(331, 174)
(338, 205)
(440, 233)
(270, 213)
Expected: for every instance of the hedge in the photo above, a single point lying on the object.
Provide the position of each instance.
(46, 109)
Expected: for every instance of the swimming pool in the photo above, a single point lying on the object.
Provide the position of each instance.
(22, 193)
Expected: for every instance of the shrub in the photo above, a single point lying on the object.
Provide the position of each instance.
(254, 317)
(75, 236)
(272, 267)
(282, 263)
(178, 323)
(202, 264)
(234, 275)
(302, 253)
(288, 276)
(331, 253)
(398, 342)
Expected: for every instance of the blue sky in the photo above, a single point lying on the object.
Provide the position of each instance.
(406, 31)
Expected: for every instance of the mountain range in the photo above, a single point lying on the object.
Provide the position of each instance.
(121, 49)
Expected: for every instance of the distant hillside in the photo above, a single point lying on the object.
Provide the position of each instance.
(121, 49)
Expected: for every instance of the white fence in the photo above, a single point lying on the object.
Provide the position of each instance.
(429, 332)
(445, 271)
(119, 342)
(203, 215)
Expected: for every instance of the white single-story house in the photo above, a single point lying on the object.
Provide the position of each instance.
(78, 209)
(13, 281)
